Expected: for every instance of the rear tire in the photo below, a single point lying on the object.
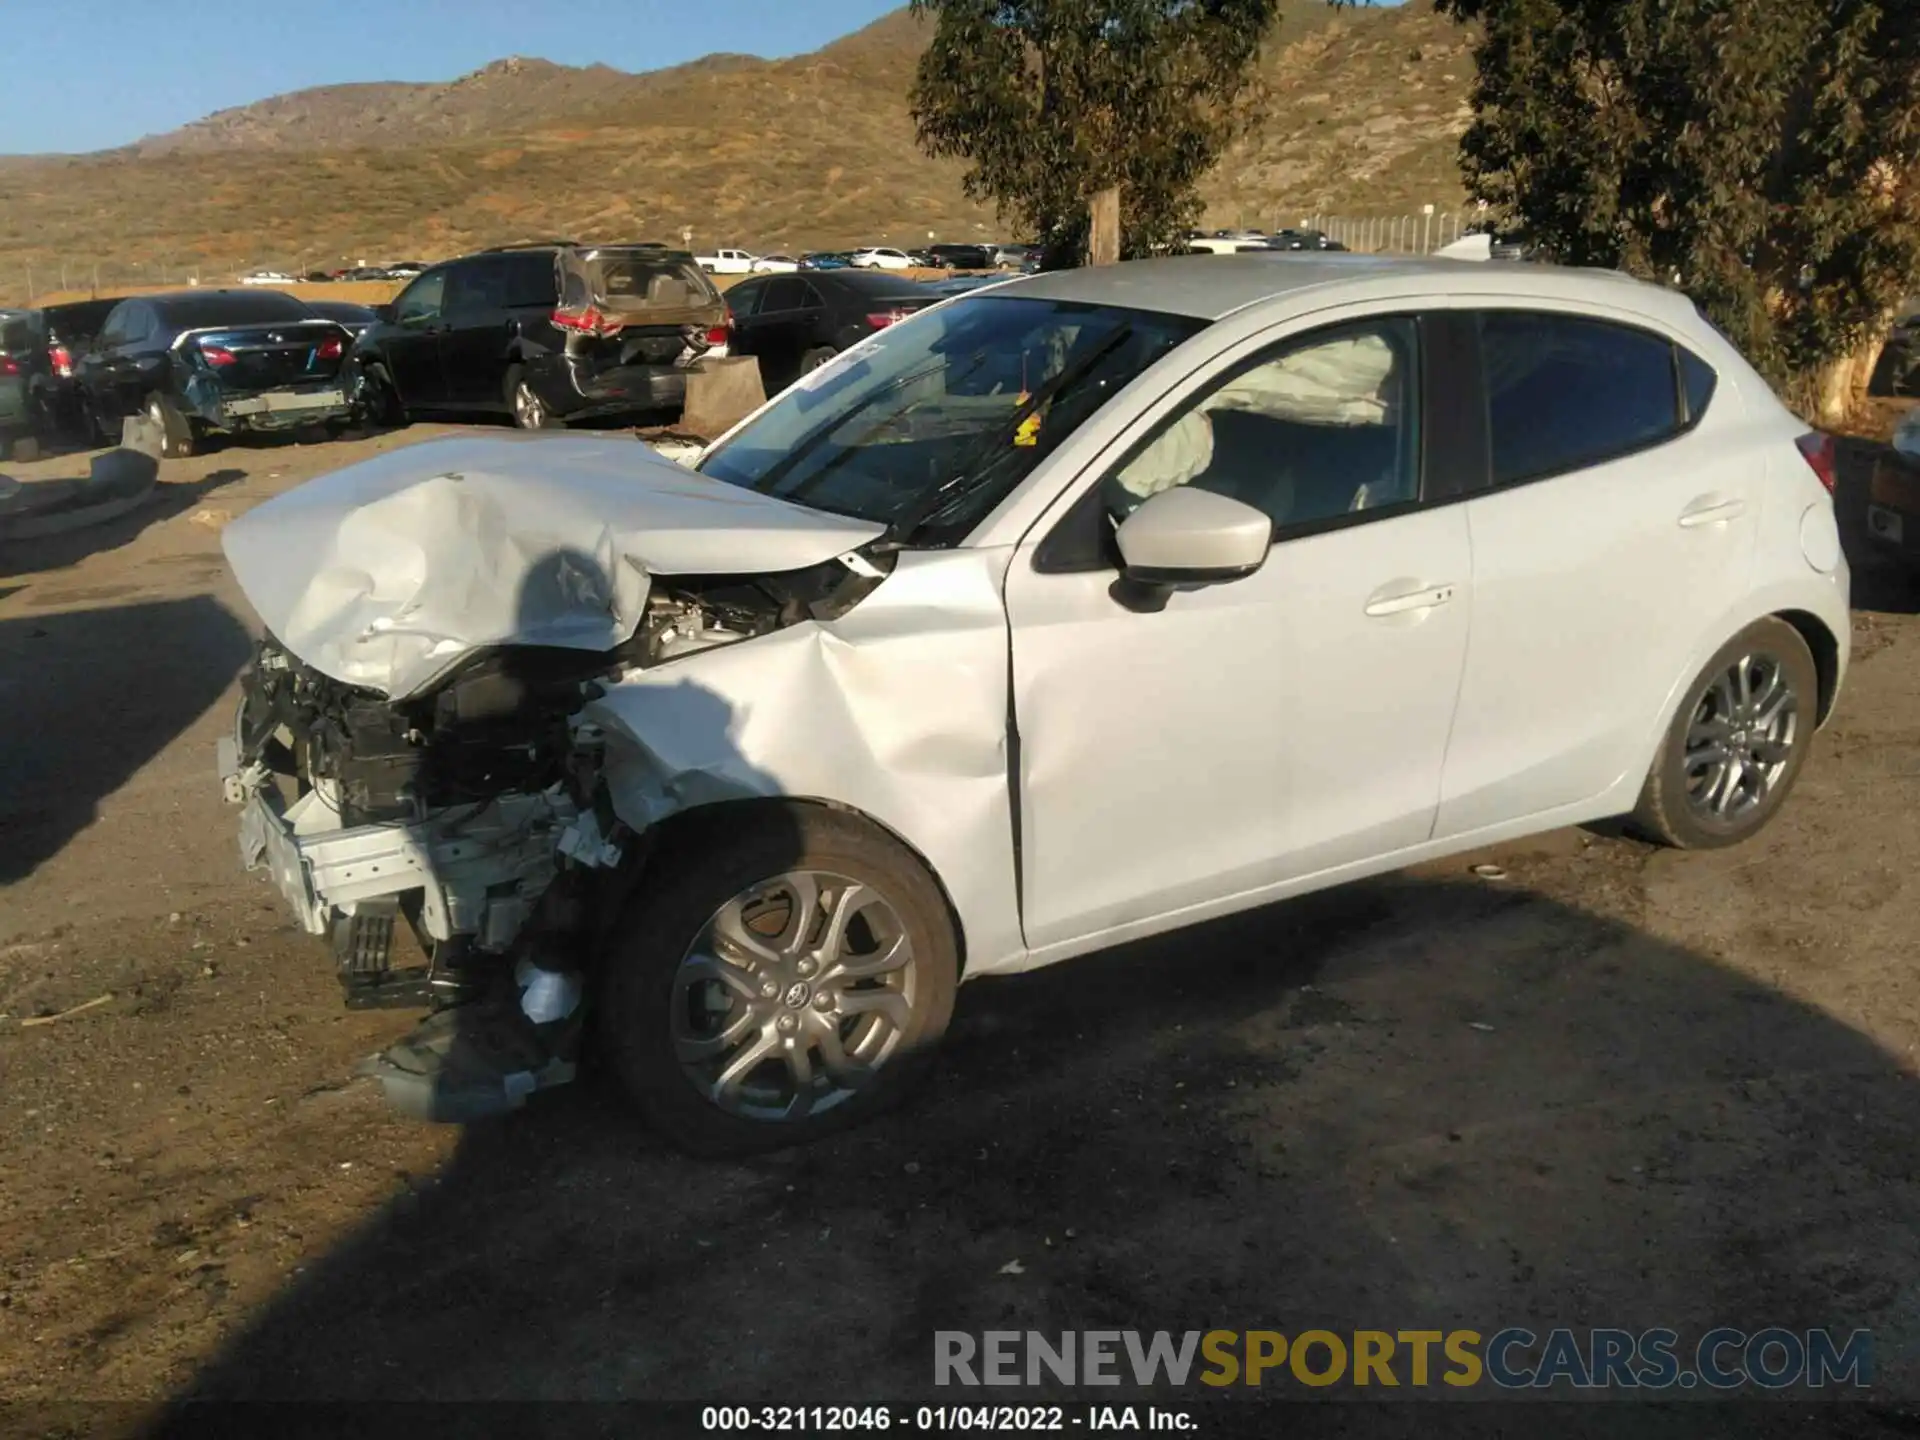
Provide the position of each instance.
(816, 357)
(529, 411)
(699, 985)
(1736, 743)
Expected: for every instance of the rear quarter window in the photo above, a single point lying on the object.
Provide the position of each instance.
(1564, 392)
(1697, 382)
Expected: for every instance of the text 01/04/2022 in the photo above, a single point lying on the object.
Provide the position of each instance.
(978, 1419)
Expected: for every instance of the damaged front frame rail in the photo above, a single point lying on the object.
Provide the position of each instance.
(468, 876)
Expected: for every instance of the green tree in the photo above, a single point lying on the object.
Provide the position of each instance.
(1054, 101)
(1763, 155)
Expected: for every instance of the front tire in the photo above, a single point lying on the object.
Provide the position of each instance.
(787, 973)
(1736, 744)
(378, 402)
(177, 439)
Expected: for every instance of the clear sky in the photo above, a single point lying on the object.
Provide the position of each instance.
(88, 74)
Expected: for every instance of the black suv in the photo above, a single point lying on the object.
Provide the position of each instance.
(542, 333)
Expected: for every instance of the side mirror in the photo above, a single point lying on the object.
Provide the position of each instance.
(1184, 537)
(383, 313)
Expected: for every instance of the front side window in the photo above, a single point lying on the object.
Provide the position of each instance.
(1322, 426)
(1565, 392)
(927, 425)
(422, 300)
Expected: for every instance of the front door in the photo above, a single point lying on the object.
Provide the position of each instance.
(411, 345)
(1256, 732)
(1599, 553)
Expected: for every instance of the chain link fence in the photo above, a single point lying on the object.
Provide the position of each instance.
(23, 283)
(1419, 233)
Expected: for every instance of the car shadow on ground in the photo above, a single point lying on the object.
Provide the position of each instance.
(90, 696)
(167, 499)
(1405, 1104)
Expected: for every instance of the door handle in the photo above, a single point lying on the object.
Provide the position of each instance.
(1711, 510)
(1400, 602)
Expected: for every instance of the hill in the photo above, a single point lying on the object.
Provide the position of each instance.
(1361, 112)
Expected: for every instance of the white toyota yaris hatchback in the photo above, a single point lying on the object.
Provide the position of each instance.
(1064, 613)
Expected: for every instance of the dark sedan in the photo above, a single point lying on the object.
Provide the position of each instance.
(354, 319)
(198, 362)
(796, 323)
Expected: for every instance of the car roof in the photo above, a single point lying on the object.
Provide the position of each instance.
(1210, 287)
(225, 307)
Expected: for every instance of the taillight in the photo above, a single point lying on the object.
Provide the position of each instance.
(61, 359)
(218, 355)
(8, 365)
(880, 320)
(330, 349)
(588, 321)
(1818, 451)
(718, 336)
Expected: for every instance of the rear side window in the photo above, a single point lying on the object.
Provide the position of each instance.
(476, 285)
(1564, 392)
(745, 299)
(530, 280)
(785, 294)
(1696, 381)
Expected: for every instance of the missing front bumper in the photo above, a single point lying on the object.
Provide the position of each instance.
(468, 877)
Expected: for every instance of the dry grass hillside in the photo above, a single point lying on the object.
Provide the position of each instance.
(1361, 112)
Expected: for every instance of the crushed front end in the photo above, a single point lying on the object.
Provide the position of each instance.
(465, 818)
(411, 757)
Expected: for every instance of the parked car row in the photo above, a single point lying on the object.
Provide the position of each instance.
(540, 334)
(1244, 242)
(872, 257)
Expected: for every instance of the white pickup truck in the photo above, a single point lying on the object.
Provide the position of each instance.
(727, 262)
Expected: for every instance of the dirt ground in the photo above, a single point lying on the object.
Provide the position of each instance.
(1620, 1086)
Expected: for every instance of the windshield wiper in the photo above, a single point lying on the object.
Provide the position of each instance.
(972, 468)
(791, 461)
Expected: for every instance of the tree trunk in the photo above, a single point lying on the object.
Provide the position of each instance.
(1841, 383)
(1103, 240)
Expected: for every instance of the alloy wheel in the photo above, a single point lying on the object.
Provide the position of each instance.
(528, 412)
(1740, 739)
(793, 995)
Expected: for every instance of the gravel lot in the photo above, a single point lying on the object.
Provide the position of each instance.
(1620, 1086)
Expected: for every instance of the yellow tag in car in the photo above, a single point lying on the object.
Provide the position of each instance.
(1028, 430)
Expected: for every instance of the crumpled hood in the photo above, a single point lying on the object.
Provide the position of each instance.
(386, 573)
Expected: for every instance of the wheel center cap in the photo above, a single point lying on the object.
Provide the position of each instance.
(798, 994)
(1739, 737)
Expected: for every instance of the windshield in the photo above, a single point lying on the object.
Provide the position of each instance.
(925, 427)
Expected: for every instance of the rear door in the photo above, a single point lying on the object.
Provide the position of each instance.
(411, 345)
(1610, 538)
(743, 315)
(473, 345)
